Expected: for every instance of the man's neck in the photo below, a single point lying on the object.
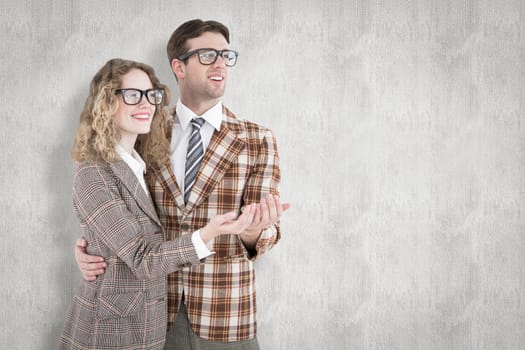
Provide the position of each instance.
(199, 108)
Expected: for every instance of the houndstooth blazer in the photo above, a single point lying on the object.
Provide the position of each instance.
(124, 308)
(240, 166)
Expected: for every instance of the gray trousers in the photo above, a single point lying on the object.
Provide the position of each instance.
(182, 337)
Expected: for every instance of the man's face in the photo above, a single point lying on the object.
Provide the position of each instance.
(204, 83)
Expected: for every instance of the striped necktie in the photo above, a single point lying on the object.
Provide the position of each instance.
(193, 157)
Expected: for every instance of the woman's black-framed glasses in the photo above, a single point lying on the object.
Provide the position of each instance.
(134, 96)
(209, 56)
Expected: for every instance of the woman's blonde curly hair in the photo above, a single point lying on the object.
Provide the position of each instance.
(97, 134)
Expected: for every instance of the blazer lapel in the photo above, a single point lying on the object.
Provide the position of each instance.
(165, 175)
(168, 181)
(222, 151)
(130, 181)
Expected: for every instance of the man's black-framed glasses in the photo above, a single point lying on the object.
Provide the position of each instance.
(209, 56)
(134, 96)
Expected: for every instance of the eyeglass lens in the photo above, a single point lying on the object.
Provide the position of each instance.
(210, 56)
(134, 96)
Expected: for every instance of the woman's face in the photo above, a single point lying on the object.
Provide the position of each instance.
(133, 120)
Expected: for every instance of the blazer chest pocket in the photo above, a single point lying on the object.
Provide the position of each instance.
(120, 305)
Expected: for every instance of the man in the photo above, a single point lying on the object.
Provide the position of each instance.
(212, 305)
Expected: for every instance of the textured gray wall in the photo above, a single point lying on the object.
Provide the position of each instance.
(402, 137)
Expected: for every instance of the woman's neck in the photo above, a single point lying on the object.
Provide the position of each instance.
(127, 143)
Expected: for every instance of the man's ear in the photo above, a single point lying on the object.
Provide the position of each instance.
(179, 68)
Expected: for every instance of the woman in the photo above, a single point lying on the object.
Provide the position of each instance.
(125, 308)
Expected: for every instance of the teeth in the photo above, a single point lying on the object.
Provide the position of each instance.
(216, 78)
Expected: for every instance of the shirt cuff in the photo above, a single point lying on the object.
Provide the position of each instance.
(269, 232)
(200, 246)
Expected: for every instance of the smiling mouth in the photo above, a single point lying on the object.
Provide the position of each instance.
(216, 78)
(142, 117)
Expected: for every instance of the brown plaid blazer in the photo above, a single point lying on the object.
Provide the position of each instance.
(241, 164)
(124, 308)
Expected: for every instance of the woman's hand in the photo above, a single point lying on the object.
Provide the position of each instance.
(228, 223)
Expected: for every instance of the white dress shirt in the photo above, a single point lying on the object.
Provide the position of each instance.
(179, 145)
(137, 165)
(181, 135)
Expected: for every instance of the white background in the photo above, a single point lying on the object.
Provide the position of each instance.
(401, 132)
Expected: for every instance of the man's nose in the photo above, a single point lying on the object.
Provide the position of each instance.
(220, 61)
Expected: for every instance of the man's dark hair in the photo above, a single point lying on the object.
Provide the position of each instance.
(189, 30)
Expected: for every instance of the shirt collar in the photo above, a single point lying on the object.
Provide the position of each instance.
(134, 160)
(212, 115)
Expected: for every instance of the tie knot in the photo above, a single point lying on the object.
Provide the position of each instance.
(197, 122)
